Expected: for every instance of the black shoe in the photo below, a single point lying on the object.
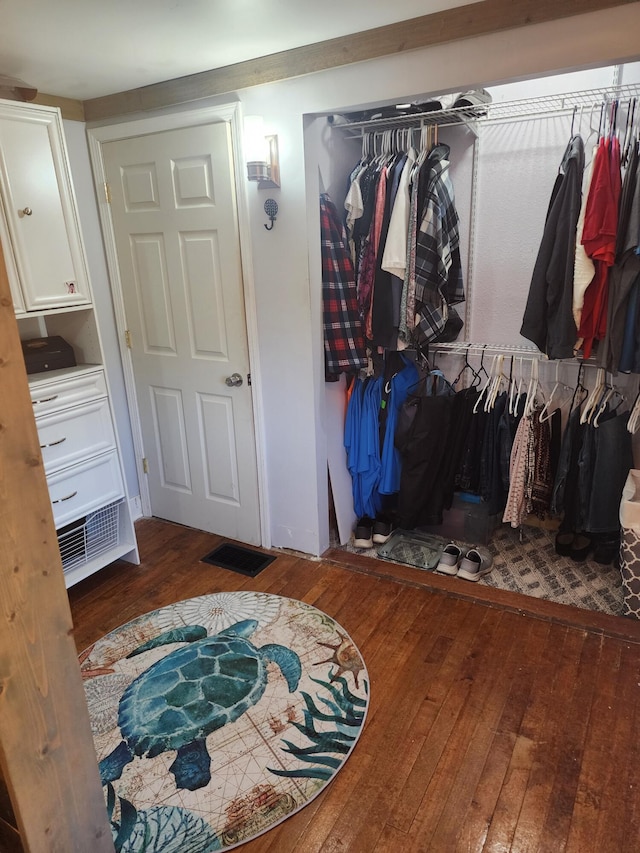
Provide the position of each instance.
(382, 529)
(564, 544)
(363, 533)
(581, 547)
(607, 548)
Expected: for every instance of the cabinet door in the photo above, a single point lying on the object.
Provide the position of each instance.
(39, 207)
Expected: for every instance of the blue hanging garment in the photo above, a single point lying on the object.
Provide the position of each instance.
(352, 439)
(400, 385)
(362, 444)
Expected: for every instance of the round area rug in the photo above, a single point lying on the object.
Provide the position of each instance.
(216, 718)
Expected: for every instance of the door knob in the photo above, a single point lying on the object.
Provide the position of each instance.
(234, 380)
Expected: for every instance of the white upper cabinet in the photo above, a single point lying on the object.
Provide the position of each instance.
(39, 229)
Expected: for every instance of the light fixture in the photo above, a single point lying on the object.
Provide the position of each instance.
(261, 151)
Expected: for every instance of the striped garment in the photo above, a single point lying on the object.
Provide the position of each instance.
(344, 345)
(438, 273)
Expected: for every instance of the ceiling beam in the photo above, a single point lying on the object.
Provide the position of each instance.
(475, 19)
(70, 108)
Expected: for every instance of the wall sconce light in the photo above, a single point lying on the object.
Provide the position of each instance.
(261, 151)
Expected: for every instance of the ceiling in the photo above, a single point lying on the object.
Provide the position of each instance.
(85, 49)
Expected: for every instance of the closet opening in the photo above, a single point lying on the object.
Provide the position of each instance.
(448, 421)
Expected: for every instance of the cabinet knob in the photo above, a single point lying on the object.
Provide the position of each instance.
(27, 211)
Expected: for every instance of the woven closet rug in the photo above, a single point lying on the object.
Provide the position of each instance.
(216, 718)
(525, 561)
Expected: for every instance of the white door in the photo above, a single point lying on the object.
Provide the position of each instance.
(175, 225)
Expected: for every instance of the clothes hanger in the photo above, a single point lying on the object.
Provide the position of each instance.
(628, 132)
(594, 397)
(633, 424)
(466, 366)
(547, 412)
(610, 393)
(513, 391)
(482, 369)
(578, 389)
(520, 394)
(602, 116)
(496, 383)
(558, 406)
(485, 386)
(614, 118)
(532, 390)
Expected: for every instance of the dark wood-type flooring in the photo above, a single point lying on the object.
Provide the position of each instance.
(496, 723)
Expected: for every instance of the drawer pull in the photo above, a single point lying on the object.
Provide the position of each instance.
(68, 498)
(45, 400)
(53, 443)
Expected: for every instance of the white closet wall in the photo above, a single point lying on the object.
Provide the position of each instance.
(518, 162)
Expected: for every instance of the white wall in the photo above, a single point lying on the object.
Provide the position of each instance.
(285, 263)
(90, 223)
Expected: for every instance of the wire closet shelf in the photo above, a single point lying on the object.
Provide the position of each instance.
(517, 110)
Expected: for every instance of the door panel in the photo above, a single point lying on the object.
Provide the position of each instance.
(150, 280)
(173, 455)
(175, 225)
(201, 262)
(219, 450)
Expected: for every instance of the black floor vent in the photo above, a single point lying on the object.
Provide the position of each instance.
(238, 559)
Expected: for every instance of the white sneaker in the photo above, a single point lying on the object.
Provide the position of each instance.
(449, 559)
(474, 565)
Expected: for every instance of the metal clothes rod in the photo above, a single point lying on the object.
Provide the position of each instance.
(523, 108)
(462, 347)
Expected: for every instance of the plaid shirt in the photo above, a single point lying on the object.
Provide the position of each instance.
(438, 273)
(344, 346)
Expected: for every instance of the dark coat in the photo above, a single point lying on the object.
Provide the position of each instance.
(548, 318)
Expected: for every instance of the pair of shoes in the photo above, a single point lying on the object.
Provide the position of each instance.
(574, 545)
(372, 531)
(470, 565)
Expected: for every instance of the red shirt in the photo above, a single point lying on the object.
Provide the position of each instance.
(599, 239)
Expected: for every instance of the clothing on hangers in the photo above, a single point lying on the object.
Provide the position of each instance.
(343, 335)
(438, 268)
(617, 350)
(548, 316)
(599, 240)
(404, 236)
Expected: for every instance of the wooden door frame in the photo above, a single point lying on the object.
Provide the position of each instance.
(47, 757)
(97, 137)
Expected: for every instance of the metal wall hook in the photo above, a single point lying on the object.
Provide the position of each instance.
(271, 209)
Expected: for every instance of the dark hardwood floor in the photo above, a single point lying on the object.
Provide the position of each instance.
(496, 723)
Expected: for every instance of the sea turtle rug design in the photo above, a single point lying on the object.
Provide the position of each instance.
(216, 718)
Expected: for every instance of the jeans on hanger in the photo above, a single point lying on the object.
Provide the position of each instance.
(564, 498)
(612, 463)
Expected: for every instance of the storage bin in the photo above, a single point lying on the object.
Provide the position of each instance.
(89, 536)
(630, 544)
(467, 521)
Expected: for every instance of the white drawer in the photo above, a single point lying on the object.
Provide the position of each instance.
(75, 434)
(70, 391)
(82, 488)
